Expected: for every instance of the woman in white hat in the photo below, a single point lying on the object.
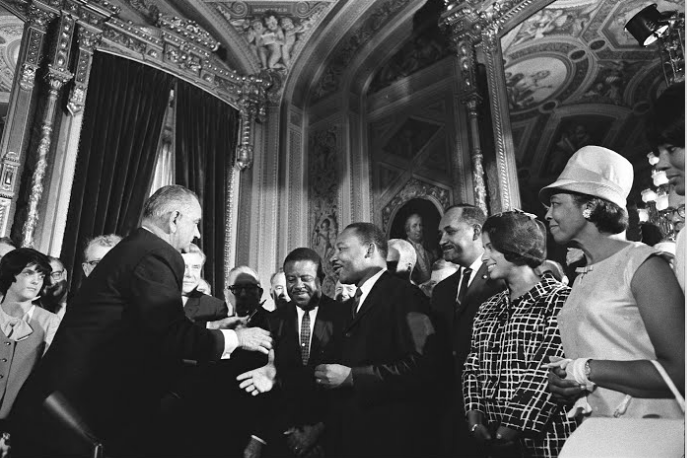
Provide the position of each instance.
(625, 308)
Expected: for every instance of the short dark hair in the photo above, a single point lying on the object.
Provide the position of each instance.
(15, 261)
(167, 199)
(666, 123)
(470, 214)
(8, 241)
(519, 236)
(369, 233)
(305, 254)
(607, 216)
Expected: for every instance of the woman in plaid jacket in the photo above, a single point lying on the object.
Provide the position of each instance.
(508, 407)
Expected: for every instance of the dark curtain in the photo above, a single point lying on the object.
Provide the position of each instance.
(121, 128)
(206, 136)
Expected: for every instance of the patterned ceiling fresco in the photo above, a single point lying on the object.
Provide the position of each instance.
(574, 77)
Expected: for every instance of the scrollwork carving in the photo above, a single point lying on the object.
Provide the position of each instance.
(27, 77)
(189, 30)
(39, 18)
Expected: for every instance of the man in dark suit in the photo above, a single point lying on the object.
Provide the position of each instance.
(307, 332)
(455, 301)
(388, 367)
(121, 334)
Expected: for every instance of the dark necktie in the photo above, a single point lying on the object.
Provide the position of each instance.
(305, 337)
(356, 301)
(463, 288)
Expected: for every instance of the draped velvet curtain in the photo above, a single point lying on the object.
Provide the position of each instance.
(206, 137)
(121, 129)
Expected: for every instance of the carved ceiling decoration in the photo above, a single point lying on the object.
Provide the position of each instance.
(11, 30)
(276, 31)
(574, 77)
(359, 35)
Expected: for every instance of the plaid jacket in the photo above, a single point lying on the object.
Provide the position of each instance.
(503, 376)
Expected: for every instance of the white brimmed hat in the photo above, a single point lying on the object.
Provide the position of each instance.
(597, 172)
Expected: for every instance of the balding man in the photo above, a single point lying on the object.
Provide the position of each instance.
(401, 258)
(96, 249)
(125, 328)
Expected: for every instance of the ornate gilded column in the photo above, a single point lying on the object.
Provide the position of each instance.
(15, 138)
(471, 97)
(509, 189)
(56, 77)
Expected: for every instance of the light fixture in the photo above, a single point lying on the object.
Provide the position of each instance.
(668, 28)
(662, 202)
(660, 178)
(649, 195)
(643, 215)
(647, 26)
(653, 159)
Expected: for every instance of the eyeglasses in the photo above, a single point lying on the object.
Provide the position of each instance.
(239, 288)
(56, 275)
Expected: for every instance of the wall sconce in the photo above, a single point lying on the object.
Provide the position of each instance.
(668, 28)
(649, 195)
(660, 178)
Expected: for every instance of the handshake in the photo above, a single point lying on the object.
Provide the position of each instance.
(251, 339)
(262, 379)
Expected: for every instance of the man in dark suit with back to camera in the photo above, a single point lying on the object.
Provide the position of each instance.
(455, 301)
(123, 331)
(388, 367)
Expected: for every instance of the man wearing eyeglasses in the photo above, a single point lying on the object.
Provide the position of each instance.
(111, 357)
(54, 295)
(96, 249)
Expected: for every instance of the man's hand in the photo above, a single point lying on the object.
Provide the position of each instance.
(481, 433)
(253, 449)
(254, 339)
(332, 375)
(230, 322)
(260, 380)
(563, 391)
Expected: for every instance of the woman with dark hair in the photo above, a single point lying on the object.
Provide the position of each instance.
(515, 332)
(625, 308)
(25, 329)
(666, 134)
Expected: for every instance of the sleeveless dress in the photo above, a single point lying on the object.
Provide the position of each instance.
(601, 320)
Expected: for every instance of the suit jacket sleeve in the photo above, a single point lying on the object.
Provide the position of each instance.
(156, 299)
(416, 368)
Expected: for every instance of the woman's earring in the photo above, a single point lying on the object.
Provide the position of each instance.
(586, 213)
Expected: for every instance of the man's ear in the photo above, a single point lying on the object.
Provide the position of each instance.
(370, 250)
(478, 231)
(170, 221)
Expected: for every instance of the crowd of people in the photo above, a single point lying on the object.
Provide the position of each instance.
(494, 356)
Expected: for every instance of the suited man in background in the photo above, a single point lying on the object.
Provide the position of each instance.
(198, 307)
(388, 366)
(455, 302)
(308, 331)
(126, 328)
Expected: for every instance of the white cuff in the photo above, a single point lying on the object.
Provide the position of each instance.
(231, 341)
(258, 439)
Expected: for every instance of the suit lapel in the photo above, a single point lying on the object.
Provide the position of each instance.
(375, 295)
(476, 286)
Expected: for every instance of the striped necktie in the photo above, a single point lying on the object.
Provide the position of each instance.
(463, 290)
(305, 337)
(356, 302)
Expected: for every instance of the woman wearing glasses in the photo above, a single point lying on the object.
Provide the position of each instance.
(26, 330)
(625, 308)
(515, 332)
